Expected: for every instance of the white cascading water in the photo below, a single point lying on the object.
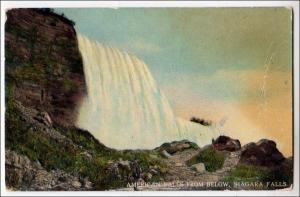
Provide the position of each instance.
(124, 108)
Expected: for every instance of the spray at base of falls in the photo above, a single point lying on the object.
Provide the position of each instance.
(124, 108)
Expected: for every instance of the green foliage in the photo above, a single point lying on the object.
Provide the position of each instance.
(21, 137)
(194, 145)
(278, 175)
(26, 139)
(88, 142)
(251, 173)
(211, 158)
(246, 173)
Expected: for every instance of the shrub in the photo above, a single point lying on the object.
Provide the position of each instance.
(278, 174)
(212, 159)
(246, 173)
(251, 173)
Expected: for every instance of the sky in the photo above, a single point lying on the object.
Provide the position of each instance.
(230, 65)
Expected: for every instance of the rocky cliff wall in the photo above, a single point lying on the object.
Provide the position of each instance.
(42, 62)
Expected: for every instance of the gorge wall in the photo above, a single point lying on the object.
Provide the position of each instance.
(43, 66)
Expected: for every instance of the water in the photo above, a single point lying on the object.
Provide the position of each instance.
(124, 108)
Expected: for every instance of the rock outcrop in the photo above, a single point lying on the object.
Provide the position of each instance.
(226, 143)
(176, 146)
(124, 170)
(43, 64)
(47, 157)
(262, 153)
(199, 167)
(23, 174)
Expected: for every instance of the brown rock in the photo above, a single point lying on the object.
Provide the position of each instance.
(25, 175)
(262, 153)
(44, 118)
(48, 75)
(176, 146)
(147, 176)
(76, 184)
(226, 143)
(199, 167)
(87, 156)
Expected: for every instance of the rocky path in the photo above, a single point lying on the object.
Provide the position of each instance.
(177, 168)
(182, 177)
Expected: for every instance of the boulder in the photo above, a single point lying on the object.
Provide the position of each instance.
(147, 176)
(226, 143)
(199, 167)
(87, 184)
(43, 117)
(153, 171)
(112, 170)
(25, 175)
(177, 146)
(166, 154)
(87, 156)
(262, 153)
(178, 164)
(124, 170)
(124, 164)
(76, 184)
(13, 159)
(208, 146)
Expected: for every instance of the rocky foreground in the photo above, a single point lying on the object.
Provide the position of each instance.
(82, 163)
(265, 165)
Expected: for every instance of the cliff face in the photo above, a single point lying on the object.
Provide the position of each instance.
(43, 64)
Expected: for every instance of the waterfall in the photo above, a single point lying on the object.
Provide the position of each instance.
(124, 108)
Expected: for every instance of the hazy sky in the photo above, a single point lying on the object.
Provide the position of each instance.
(224, 64)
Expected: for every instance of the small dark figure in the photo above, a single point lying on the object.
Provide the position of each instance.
(136, 172)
